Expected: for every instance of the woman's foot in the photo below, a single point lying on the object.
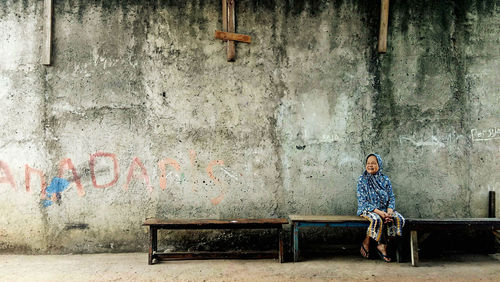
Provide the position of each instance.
(382, 252)
(365, 246)
(364, 251)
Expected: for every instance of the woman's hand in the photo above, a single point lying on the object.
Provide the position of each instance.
(390, 212)
(386, 216)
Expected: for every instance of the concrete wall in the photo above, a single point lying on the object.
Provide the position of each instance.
(283, 129)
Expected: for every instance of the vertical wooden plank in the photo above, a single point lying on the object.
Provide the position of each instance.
(295, 229)
(224, 15)
(47, 33)
(280, 242)
(414, 247)
(491, 205)
(398, 250)
(153, 244)
(150, 253)
(384, 21)
(231, 50)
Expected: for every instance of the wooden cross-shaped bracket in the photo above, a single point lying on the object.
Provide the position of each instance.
(228, 25)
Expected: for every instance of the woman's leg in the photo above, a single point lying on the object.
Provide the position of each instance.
(365, 247)
(374, 231)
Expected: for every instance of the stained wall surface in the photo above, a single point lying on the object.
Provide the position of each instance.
(140, 115)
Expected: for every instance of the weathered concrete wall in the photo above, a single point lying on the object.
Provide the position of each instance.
(284, 129)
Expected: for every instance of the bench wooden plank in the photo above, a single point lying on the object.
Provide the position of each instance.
(217, 255)
(208, 222)
(453, 223)
(478, 220)
(326, 218)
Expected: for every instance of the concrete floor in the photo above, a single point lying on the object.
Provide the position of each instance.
(133, 267)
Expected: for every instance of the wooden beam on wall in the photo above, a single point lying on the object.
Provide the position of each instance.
(384, 21)
(225, 36)
(231, 50)
(47, 33)
(224, 15)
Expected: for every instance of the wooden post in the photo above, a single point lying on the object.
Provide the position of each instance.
(280, 245)
(414, 247)
(295, 234)
(231, 50)
(491, 205)
(224, 15)
(47, 33)
(153, 244)
(384, 20)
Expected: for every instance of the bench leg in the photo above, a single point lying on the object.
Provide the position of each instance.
(414, 247)
(153, 241)
(280, 242)
(399, 249)
(295, 230)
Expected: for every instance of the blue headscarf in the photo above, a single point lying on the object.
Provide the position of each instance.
(375, 191)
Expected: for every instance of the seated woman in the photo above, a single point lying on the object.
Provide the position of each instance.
(376, 202)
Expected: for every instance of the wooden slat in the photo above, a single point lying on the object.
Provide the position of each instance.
(237, 223)
(384, 21)
(280, 246)
(217, 255)
(232, 36)
(453, 220)
(224, 15)
(231, 50)
(47, 33)
(414, 247)
(295, 242)
(453, 223)
(326, 218)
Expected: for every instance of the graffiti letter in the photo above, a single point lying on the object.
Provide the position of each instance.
(210, 169)
(215, 201)
(130, 175)
(27, 177)
(8, 176)
(68, 164)
(192, 157)
(163, 170)
(92, 169)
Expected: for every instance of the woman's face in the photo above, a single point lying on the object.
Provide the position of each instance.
(372, 165)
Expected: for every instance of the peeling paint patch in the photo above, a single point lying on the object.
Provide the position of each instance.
(54, 190)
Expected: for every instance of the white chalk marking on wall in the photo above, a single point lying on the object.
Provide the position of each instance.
(485, 134)
(346, 159)
(229, 174)
(434, 141)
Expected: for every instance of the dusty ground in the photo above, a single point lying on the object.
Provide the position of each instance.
(133, 267)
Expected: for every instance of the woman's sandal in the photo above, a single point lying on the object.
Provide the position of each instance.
(364, 252)
(384, 257)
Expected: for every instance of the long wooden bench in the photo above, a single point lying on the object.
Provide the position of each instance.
(179, 224)
(301, 221)
(415, 225)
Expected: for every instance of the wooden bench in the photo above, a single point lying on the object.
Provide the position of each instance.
(300, 221)
(178, 224)
(415, 225)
